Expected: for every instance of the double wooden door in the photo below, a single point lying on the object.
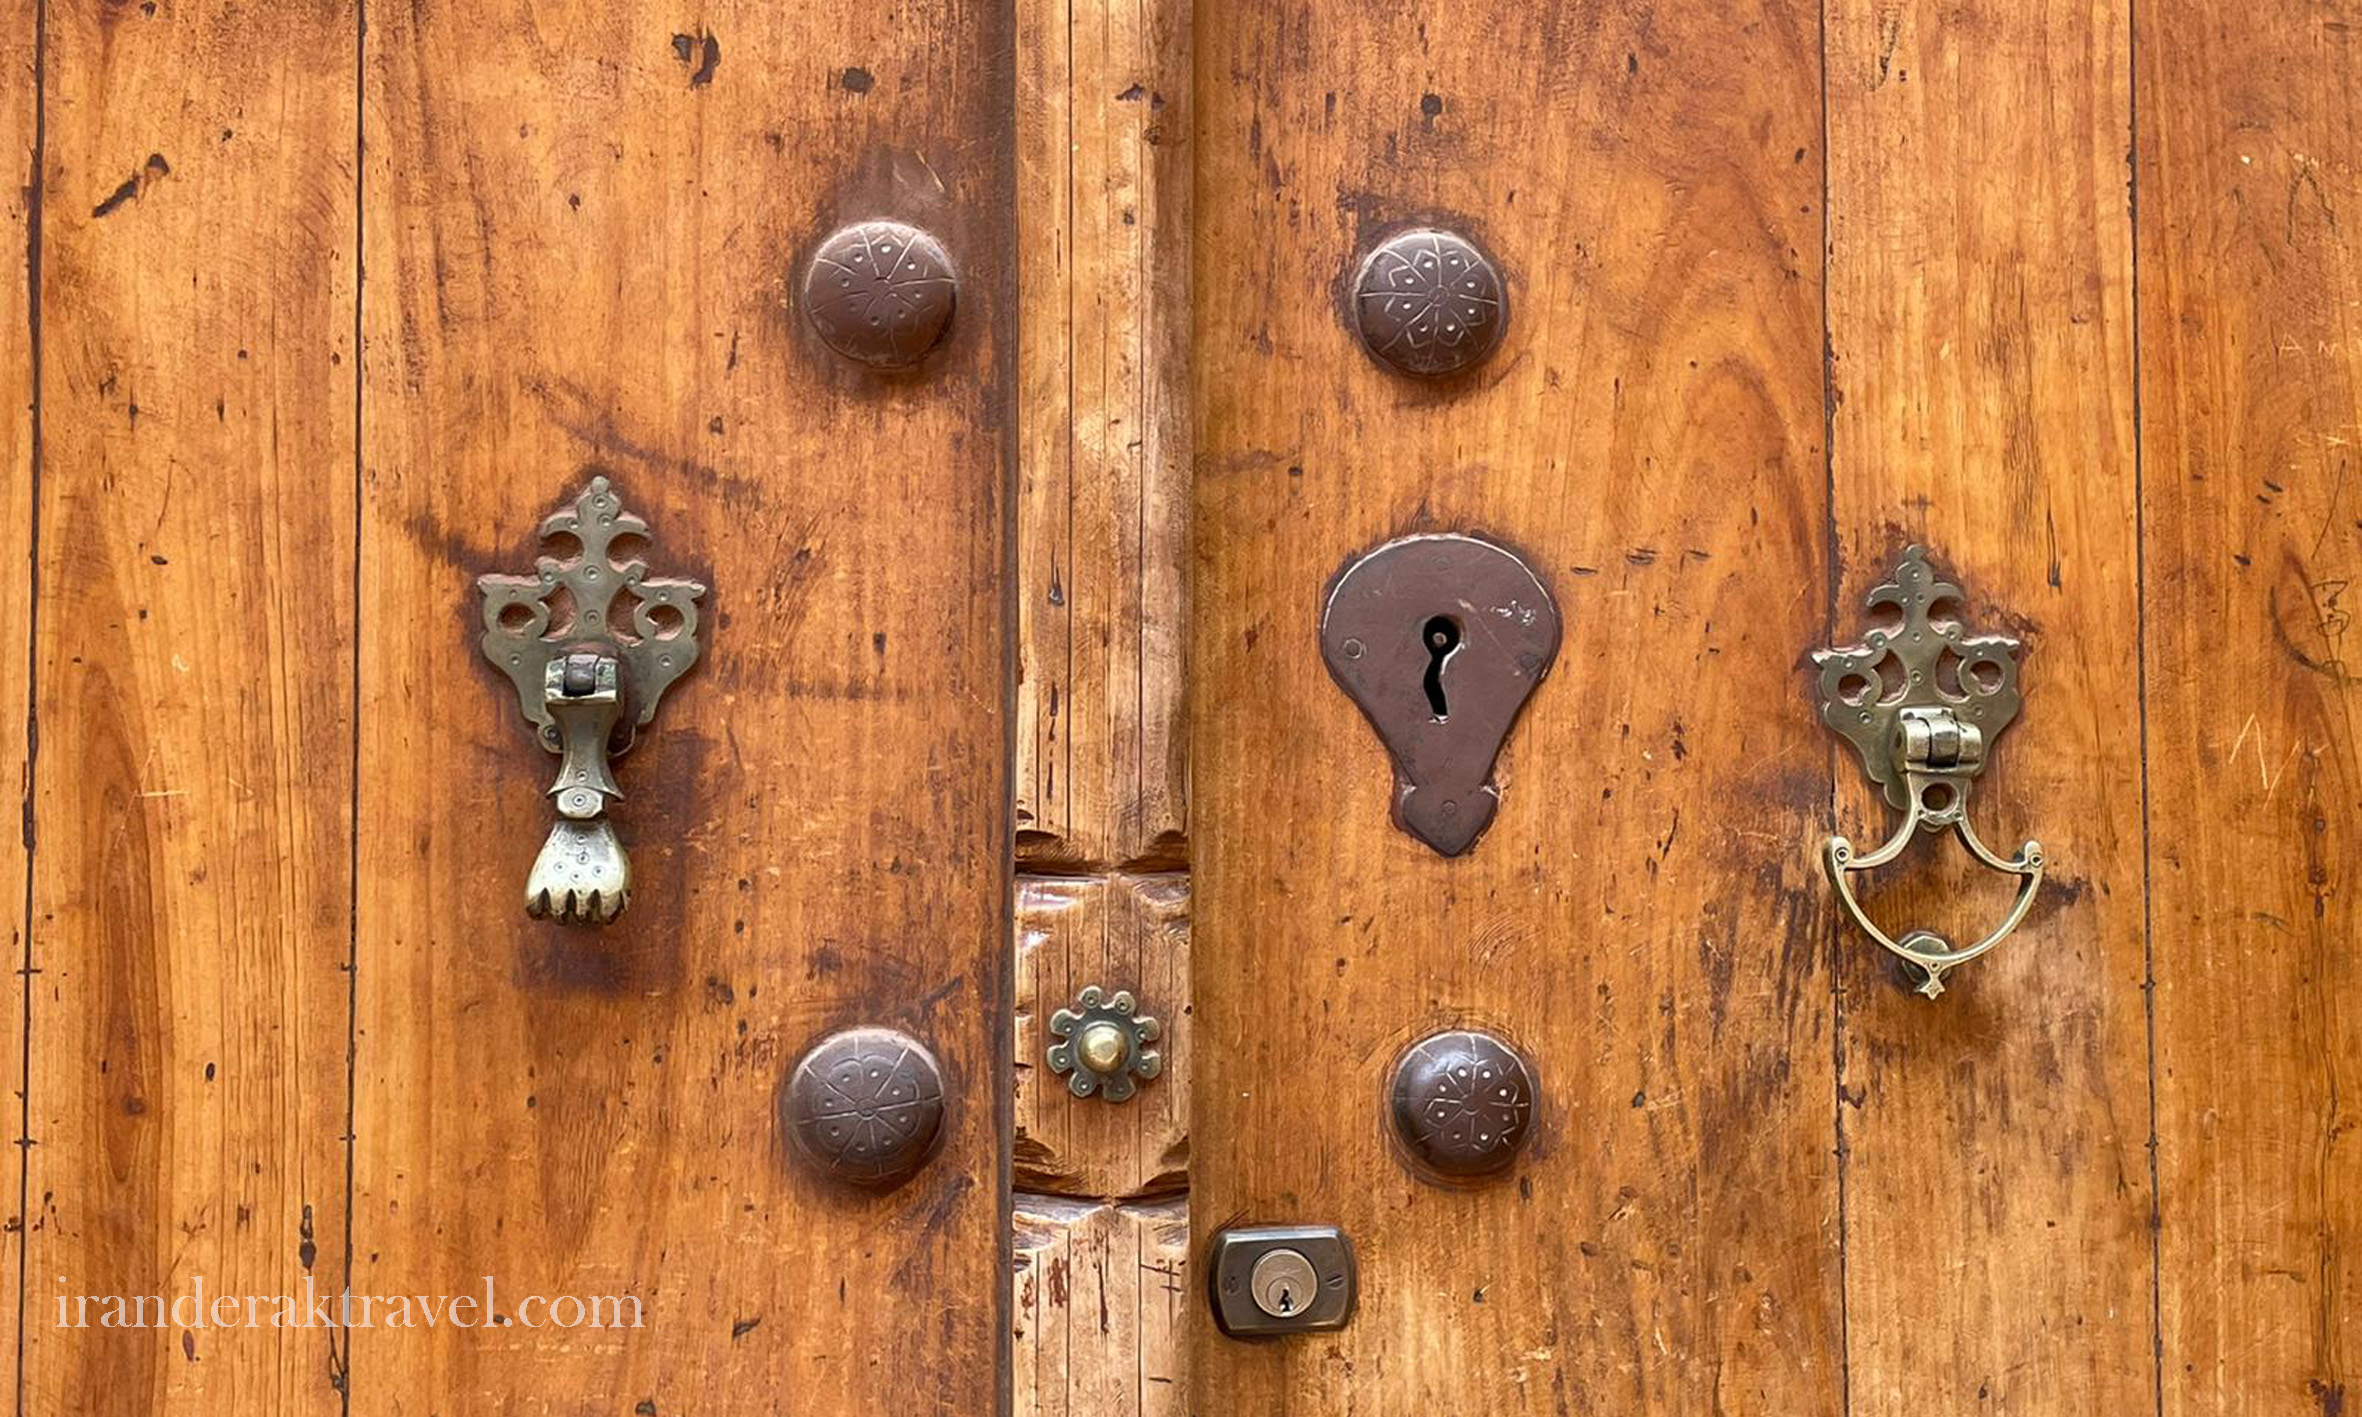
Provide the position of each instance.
(1011, 683)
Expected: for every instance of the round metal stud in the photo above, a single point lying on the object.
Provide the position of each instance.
(1428, 303)
(1462, 1103)
(1103, 1045)
(865, 1106)
(880, 293)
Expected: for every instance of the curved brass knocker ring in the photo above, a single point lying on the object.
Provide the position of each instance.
(1921, 699)
(1931, 952)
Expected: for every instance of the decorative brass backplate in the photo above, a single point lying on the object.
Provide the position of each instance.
(1922, 700)
(588, 680)
(1102, 1045)
(1926, 660)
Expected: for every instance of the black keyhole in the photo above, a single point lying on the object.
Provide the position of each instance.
(1443, 636)
(1287, 1301)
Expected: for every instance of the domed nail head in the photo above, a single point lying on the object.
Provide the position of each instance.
(1462, 1104)
(865, 1107)
(880, 293)
(1429, 304)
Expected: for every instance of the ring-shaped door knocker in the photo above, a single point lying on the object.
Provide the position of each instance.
(1923, 700)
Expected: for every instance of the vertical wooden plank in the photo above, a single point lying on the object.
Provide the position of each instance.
(1103, 211)
(1103, 137)
(192, 888)
(2251, 382)
(1101, 1294)
(1122, 932)
(1642, 917)
(1997, 1182)
(20, 196)
(588, 221)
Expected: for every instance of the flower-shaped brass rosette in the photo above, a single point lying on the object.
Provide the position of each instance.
(1102, 1045)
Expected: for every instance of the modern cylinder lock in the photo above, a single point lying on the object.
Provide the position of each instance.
(1275, 1279)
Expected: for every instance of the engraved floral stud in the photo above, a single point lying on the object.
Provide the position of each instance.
(1428, 303)
(880, 293)
(1102, 1045)
(1462, 1103)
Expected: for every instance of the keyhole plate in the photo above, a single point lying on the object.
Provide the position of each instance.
(1440, 639)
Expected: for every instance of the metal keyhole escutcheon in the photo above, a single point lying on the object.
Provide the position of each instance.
(1440, 639)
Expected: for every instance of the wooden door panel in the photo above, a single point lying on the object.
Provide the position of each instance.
(190, 900)
(19, 364)
(1997, 1184)
(2251, 378)
(585, 223)
(1644, 918)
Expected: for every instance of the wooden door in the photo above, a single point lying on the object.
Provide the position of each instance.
(330, 310)
(319, 308)
(2060, 293)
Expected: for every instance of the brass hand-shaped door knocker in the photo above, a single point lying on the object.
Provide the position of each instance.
(588, 681)
(1923, 700)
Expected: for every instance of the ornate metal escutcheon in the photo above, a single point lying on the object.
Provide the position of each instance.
(1462, 1103)
(1102, 1045)
(588, 677)
(1440, 639)
(1922, 700)
(865, 1106)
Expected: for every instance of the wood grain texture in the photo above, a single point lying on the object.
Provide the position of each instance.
(1980, 325)
(19, 134)
(1103, 135)
(1644, 918)
(1102, 1297)
(1103, 502)
(586, 222)
(2251, 377)
(191, 894)
(1124, 932)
